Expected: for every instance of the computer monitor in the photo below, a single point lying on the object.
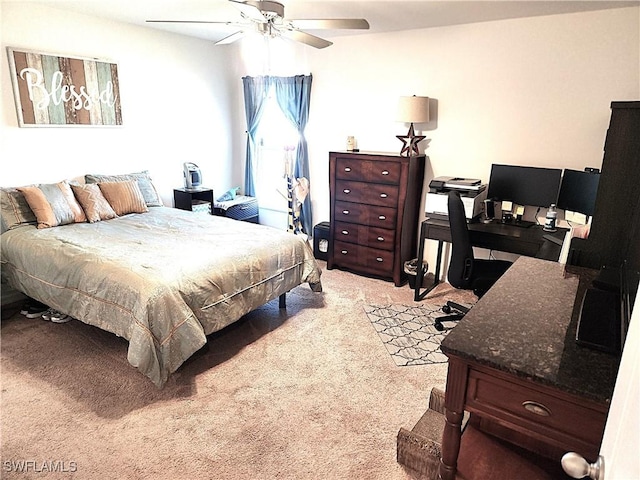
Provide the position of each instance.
(534, 186)
(578, 191)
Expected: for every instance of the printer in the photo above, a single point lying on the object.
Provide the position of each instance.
(471, 190)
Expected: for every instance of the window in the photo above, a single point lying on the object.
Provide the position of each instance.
(274, 134)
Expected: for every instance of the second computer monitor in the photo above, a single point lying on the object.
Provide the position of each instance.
(578, 191)
(534, 186)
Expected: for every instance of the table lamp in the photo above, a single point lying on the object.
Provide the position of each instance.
(412, 110)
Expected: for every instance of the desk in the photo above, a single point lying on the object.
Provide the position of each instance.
(515, 366)
(528, 241)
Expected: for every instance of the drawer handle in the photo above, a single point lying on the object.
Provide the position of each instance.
(383, 195)
(537, 408)
(345, 232)
(382, 217)
(345, 212)
(347, 169)
(346, 190)
(344, 252)
(379, 259)
(385, 172)
(381, 239)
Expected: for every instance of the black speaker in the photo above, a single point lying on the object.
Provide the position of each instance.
(489, 209)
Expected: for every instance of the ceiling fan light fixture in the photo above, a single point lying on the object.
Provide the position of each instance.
(268, 29)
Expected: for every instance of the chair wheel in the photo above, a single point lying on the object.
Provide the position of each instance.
(438, 326)
(446, 309)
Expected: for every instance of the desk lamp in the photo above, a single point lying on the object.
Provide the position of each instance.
(412, 110)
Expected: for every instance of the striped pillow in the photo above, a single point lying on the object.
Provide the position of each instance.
(53, 204)
(94, 204)
(124, 197)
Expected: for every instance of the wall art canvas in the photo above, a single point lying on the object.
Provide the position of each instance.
(55, 91)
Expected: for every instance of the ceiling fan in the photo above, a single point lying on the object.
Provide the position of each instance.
(267, 17)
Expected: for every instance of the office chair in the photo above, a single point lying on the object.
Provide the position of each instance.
(466, 272)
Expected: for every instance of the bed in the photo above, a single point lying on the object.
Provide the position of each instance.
(162, 279)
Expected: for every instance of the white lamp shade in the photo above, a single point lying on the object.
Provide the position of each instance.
(413, 109)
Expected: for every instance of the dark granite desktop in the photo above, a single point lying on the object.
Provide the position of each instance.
(526, 325)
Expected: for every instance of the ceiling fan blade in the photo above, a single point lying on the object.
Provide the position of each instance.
(231, 38)
(250, 11)
(306, 38)
(334, 24)
(195, 21)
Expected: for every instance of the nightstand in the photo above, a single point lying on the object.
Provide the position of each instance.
(242, 207)
(193, 200)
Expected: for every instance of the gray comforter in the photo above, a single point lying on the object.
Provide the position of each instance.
(163, 280)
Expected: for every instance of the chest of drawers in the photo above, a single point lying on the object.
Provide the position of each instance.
(375, 202)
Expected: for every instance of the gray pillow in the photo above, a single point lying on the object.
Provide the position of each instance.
(149, 192)
(14, 210)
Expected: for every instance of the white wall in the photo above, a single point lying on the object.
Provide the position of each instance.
(533, 91)
(177, 101)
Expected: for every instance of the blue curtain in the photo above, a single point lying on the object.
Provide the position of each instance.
(294, 97)
(255, 94)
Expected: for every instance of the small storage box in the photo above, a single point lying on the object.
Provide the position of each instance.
(241, 208)
(200, 206)
(321, 241)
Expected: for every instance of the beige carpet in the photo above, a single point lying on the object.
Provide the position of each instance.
(310, 392)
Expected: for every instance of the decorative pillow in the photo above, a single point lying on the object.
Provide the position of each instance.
(53, 204)
(147, 188)
(124, 197)
(14, 210)
(95, 206)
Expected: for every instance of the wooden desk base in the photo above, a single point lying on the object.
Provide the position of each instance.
(545, 421)
(515, 365)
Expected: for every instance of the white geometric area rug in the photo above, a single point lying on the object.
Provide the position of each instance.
(408, 332)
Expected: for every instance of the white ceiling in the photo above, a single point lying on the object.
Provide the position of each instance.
(383, 15)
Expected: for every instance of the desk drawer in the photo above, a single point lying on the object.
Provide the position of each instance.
(521, 245)
(374, 216)
(364, 235)
(369, 193)
(365, 259)
(368, 171)
(557, 417)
